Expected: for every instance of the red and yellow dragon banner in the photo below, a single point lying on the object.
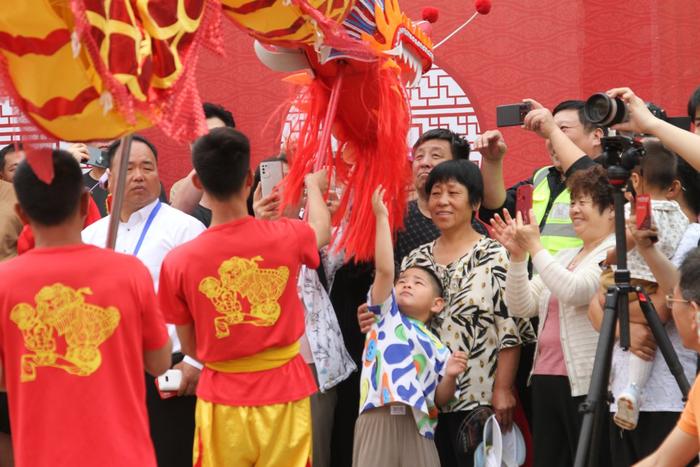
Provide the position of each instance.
(85, 70)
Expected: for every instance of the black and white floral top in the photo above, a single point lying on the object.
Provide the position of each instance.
(475, 318)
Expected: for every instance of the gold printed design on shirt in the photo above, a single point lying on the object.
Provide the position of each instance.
(62, 312)
(241, 278)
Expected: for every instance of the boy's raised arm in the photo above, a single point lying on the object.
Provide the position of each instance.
(383, 250)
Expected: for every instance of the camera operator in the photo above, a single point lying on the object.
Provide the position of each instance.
(683, 443)
(641, 120)
(569, 138)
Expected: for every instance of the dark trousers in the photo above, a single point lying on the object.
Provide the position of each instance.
(172, 424)
(557, 423)
(629, 447)
(447, 440)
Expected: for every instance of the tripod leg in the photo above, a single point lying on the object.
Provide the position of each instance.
(663, 342)
(598, 390)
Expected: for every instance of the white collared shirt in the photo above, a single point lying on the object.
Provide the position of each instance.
(169, 229)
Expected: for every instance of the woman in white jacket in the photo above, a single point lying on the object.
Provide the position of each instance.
(559, 294)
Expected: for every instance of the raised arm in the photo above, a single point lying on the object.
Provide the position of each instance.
(541, 121)
(188, 195)
(641, 120)
(521, 294)
(493, 148)
(383, 250)
(319, 216)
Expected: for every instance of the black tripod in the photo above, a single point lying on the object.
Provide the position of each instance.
(595, 407)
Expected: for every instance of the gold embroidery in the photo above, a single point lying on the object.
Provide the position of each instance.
(240, 277)
(62, 311)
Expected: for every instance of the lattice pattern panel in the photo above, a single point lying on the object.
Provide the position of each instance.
(439, 102)
(15, 127)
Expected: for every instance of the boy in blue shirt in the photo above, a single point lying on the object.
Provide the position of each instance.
(406, 372)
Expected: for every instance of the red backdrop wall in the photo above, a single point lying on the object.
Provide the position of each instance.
(549, 50)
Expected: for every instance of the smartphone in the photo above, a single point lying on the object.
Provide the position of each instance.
(512, 114)
(523, 201)
(169, 381)
(271, 174)
(643, 213)
(97, 157)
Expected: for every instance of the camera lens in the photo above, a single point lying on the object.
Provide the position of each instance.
(601, 110)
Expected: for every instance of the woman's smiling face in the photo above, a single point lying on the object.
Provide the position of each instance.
(449, 204)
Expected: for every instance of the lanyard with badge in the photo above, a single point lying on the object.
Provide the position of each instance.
(147, 226)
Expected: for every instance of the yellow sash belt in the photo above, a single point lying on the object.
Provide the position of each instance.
(270, 358)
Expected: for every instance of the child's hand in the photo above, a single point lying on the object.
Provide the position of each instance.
(365, 318)
(378, 202)
(457, 364)
(317, 179)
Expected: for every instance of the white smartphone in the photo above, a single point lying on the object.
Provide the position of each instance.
(271, 174)
(170, 380)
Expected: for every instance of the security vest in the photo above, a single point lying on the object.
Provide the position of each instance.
(558, 231)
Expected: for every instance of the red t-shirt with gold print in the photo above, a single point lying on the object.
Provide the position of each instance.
(238, 283)
(74, 324)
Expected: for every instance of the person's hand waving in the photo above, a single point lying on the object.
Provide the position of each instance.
(504, 232)
(527, 234)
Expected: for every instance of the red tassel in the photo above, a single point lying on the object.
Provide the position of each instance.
(371, 128)
(41, 162)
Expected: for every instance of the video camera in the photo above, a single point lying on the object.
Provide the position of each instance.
(605, 111)
(621, 151)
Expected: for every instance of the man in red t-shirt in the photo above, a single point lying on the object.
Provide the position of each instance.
(232, 294)
(78, 326)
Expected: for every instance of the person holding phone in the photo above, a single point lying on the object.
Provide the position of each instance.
(638, 379)
(559, 295)
(569, 137)
(651, 179)
(94, 155)
(232, 292)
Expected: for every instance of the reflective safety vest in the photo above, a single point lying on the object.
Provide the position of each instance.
(558, 231)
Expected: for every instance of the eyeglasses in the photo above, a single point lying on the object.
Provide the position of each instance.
(670, 300)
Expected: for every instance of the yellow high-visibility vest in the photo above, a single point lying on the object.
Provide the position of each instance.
(558, 231)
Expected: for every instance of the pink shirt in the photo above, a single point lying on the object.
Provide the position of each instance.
(550, 356)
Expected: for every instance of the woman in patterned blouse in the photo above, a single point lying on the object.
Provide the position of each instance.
(473, 271)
